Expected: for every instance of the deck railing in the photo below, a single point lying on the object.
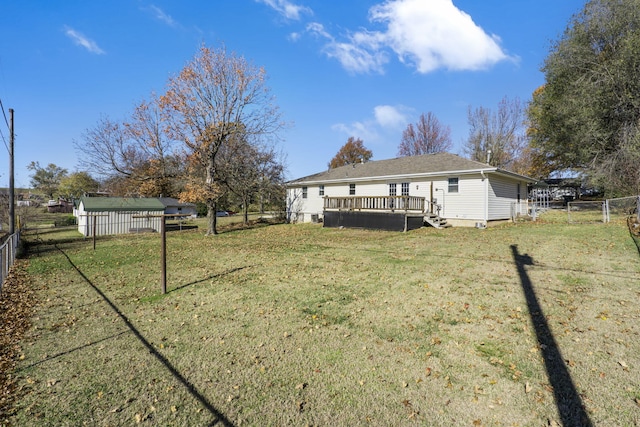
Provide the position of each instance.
(377, 203)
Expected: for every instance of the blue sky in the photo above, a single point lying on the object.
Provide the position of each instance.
(362, 68)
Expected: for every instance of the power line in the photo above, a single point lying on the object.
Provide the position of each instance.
(4, 114)
(7, 122)
(4, 141)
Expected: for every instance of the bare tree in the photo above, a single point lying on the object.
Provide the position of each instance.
(497, 138)
(138, 150)
(426, 137)
(216, 97)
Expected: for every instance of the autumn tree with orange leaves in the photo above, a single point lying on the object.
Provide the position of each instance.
(353, 151)
(217, 97)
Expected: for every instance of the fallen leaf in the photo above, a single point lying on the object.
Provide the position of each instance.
(623, 364)
(527, 388)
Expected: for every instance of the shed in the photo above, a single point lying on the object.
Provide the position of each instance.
(118, 215)
(176, 207)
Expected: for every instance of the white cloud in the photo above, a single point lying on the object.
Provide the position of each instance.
(354, 57)
(161, 15)
(287, 8)
(426, 35)
(387, 120)
(317, 29)
(366, 131)
(81, 40)
(391, 117)
(436, 34)
(294, 37)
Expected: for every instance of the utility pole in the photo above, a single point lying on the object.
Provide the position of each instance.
(12, 206)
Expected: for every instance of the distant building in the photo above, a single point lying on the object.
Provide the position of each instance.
(176, 207)
(59, 206)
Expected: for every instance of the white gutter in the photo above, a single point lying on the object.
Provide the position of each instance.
(394, 177)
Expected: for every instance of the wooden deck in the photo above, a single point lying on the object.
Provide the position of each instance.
(400, 213)
(400, 204)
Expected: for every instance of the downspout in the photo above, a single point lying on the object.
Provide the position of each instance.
(485, 202)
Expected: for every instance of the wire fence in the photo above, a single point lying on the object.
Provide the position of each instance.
(8, 252)
(603, 211)
(623, 208)
(585, 212)
(589, 212)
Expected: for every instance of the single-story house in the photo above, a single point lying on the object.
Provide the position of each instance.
(59, 206)
(118, 215)
(176, 207)
(407, 192)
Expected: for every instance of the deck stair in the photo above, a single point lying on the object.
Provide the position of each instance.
(436, 221)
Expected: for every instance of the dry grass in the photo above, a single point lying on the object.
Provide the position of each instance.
(301, 325)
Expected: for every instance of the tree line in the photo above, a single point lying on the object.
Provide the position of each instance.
(210, 138)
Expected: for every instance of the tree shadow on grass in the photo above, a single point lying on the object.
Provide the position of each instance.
(64, 353)
(210, 277)
(218, 416)
(568, 401)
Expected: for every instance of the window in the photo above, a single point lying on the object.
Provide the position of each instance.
(392, 192)
(304, 192)
(405, 188)
(321, 190)
(453, 185)
(352, 189)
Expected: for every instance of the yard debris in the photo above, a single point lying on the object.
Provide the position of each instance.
(16, 307)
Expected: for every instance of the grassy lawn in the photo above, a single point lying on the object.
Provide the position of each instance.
(519, 325)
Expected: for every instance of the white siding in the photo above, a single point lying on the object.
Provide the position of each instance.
(479, 199)
(502, 193)
(468, 203)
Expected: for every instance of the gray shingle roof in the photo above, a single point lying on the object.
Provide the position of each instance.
(427, 164)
